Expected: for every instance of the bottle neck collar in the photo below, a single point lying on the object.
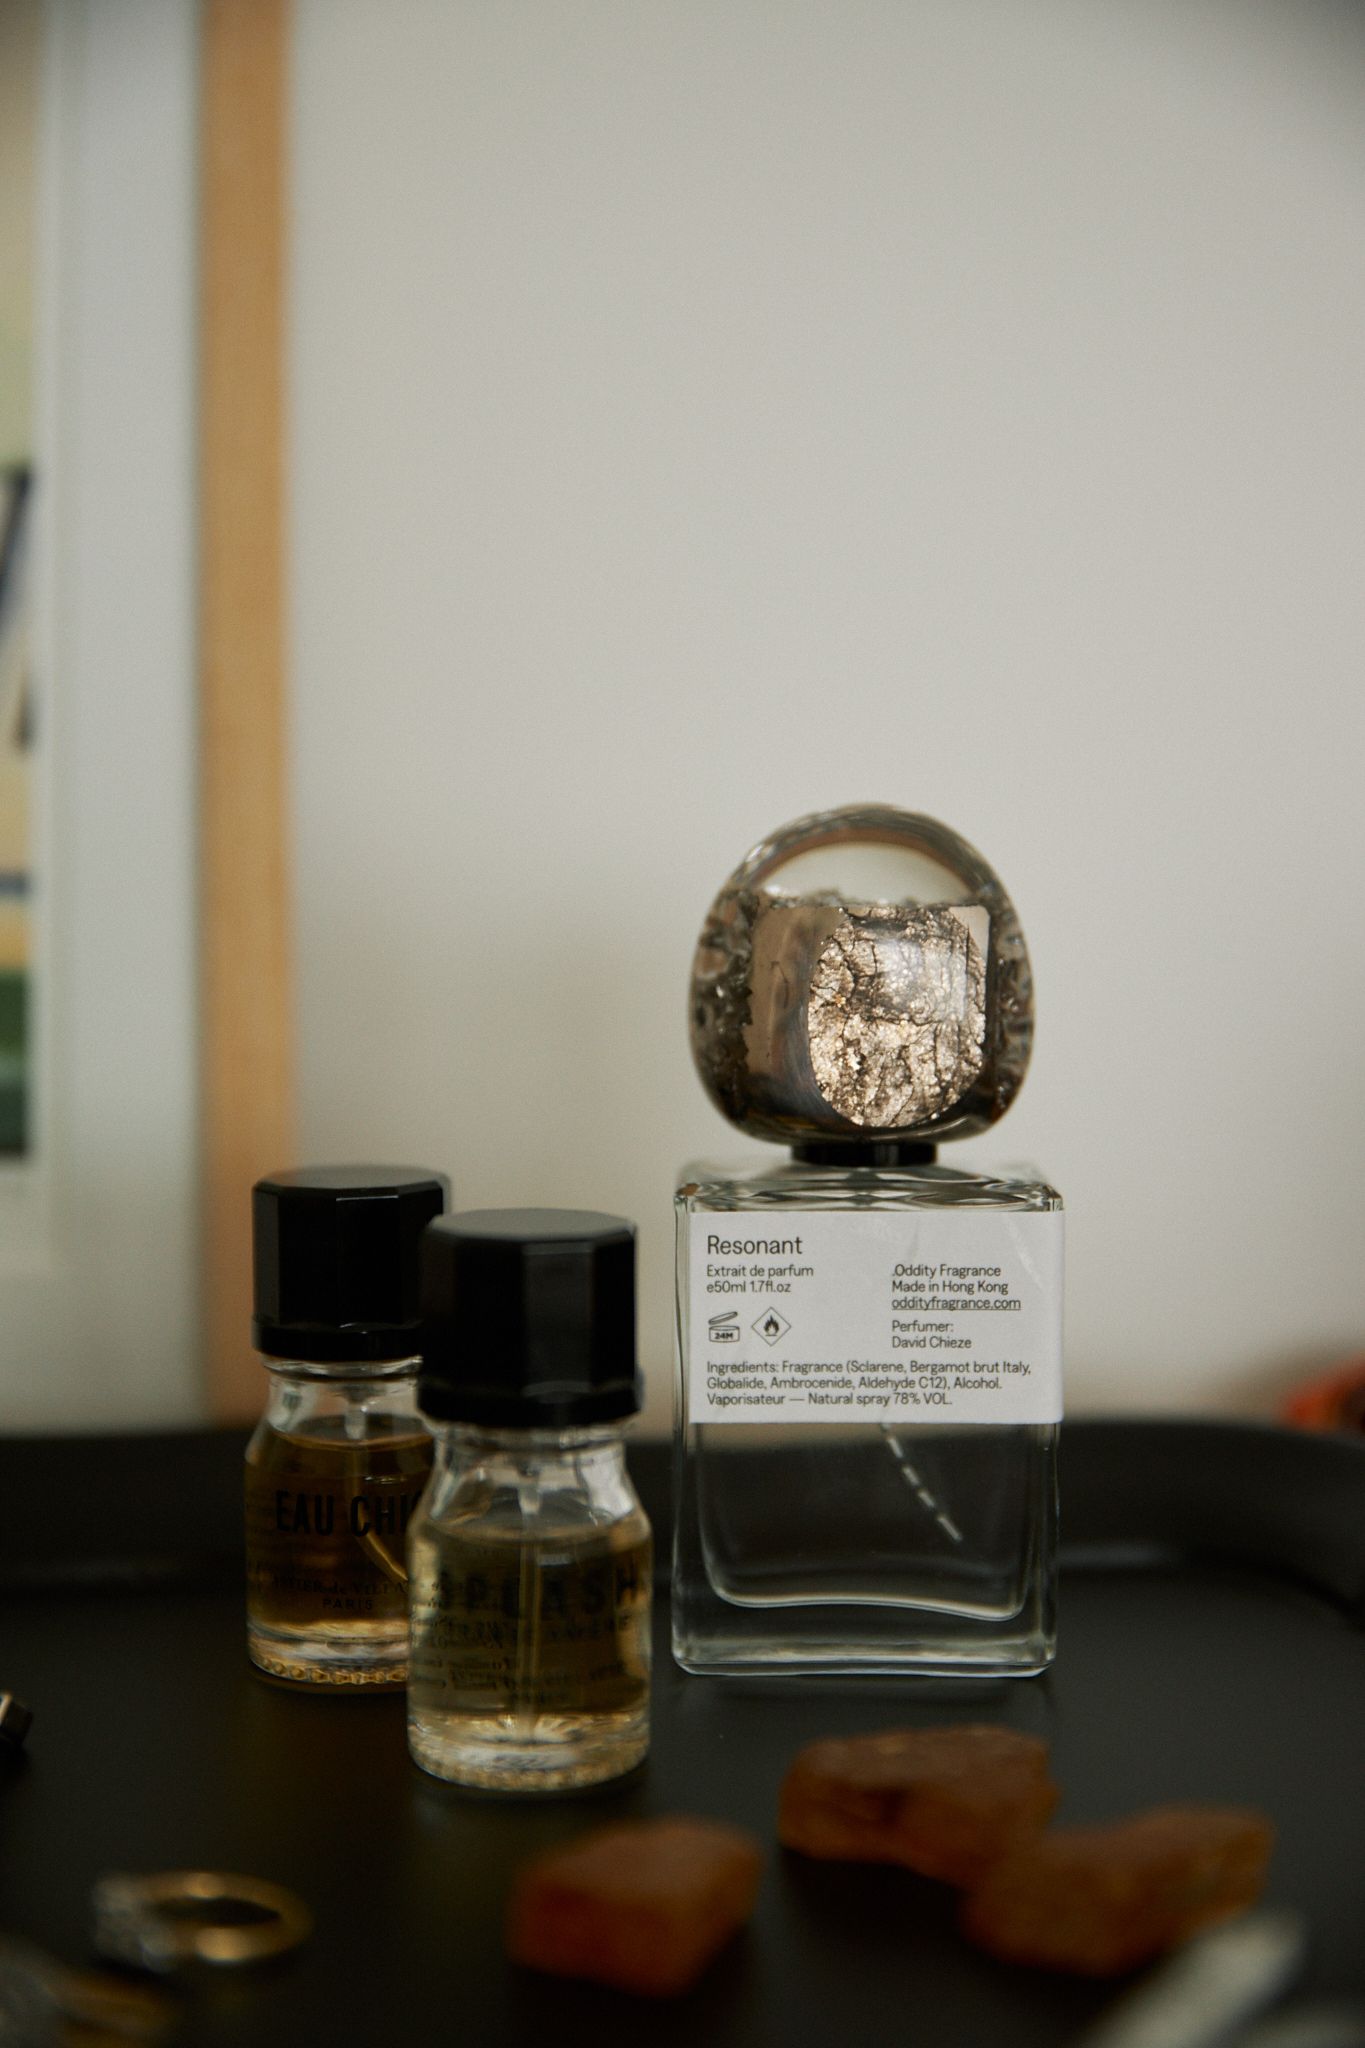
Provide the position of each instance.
(341, 1372)
(852, 1152)
(472, 1440)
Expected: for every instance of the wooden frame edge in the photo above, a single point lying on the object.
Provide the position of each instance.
(246, 1009)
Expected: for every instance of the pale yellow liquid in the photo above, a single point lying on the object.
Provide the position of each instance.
(530, 1659)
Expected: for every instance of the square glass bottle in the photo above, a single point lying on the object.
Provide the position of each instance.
(869, 1342)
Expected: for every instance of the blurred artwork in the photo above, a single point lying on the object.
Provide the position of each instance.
(20, 87)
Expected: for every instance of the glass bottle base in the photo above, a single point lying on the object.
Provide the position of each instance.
(926, 1550)
(796, 1652)
(557, 1753)
(373, 1656)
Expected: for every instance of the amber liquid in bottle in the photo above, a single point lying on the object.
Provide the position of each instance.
(326, 1527)
(530, 1652)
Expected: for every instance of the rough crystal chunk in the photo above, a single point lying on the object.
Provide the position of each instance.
(946, 1802)
(1102, 1900)
(643, 1906)
(896, 1015)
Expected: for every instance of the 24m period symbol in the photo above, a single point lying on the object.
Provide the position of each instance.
(724, 1329)
(770, 1326)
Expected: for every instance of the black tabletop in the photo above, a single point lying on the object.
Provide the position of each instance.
(1211, 1648)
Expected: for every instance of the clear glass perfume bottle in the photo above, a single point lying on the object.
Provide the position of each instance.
(530, 1555)
(338, 1461)
(869, 1378)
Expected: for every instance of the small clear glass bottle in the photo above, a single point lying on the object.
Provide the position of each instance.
(530, 1556)
(869, 1378)
(339, 1459)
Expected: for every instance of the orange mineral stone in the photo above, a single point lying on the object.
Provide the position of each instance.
(643, 1905)
(1106, 1899)
(944, 1801)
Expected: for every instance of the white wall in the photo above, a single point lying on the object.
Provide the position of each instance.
(705, 413)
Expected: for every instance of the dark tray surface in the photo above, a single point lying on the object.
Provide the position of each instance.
(1210, 1650)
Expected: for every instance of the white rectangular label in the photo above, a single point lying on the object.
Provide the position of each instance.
(905, 1315)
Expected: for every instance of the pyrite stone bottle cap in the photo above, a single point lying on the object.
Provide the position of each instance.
(528, 1318)
(337, 1258)
(861, 988)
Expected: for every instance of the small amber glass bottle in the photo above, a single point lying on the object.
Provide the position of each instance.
(340, 1457)
(530, 1554)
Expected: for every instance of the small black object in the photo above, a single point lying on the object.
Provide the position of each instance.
(854, 1152)
(528, 1319)
(15, 1720)
(337, 1260)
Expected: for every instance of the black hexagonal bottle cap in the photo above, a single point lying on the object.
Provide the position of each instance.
(528, 1319)
(337, 1258)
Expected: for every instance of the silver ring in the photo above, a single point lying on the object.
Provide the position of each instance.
(167, 1919)
(15, 1720)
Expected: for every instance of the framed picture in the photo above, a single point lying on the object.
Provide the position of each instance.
(21, 83)
(99, 1096)
(145, 1029)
